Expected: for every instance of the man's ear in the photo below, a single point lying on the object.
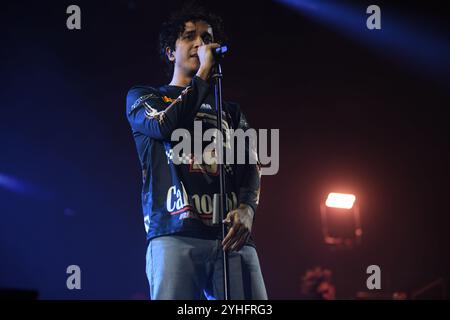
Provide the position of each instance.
(170, 55)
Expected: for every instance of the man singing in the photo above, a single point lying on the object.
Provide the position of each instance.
(184, 254)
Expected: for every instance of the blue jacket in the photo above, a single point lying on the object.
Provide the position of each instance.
(177, 198)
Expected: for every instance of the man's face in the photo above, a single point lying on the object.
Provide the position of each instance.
(194, 35)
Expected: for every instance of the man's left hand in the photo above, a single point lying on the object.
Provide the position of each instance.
(240, 223)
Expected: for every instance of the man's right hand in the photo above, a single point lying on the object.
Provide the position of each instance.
(206, 58)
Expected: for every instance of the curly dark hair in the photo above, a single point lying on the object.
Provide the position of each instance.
(172, 29)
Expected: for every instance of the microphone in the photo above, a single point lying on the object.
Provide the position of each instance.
(220, 52)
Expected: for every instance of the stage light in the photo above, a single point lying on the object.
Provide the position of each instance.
(341, 219)
(340, 200)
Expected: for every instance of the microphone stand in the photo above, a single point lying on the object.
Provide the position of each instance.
(220, 200)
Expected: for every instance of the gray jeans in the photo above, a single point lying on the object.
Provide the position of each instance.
(186, 268)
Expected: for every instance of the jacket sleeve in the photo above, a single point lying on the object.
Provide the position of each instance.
(250, 174)
(147, 116)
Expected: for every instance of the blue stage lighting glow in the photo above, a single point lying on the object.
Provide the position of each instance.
(406, 41)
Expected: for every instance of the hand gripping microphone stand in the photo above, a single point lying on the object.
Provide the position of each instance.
(220, 199)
